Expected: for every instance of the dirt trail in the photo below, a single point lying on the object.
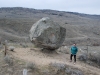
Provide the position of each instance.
(43, 58)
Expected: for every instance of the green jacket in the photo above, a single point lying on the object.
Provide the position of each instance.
(74, 50)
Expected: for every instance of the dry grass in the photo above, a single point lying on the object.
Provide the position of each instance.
(40, 63)
(15, 24)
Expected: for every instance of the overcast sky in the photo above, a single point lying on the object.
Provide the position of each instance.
(80, 6)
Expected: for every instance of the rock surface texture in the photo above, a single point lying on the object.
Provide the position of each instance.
(47, 34)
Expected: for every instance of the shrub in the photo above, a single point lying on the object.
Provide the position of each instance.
(82, 57)
(95, 57)
(30, 65)
(96, 44)
(11, 48)
(8, 60)
(59, 66)
(64, 49)
(71, 71)
(63, 69)
(24, 45)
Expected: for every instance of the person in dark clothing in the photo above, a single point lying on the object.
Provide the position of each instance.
(74, 51)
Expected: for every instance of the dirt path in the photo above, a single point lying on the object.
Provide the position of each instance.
(42, 58)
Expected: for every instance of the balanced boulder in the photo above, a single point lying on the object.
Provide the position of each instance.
(47, 34)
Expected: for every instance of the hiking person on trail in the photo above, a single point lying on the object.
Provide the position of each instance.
(74, 51)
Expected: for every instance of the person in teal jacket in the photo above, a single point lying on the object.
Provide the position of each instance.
(74, 51)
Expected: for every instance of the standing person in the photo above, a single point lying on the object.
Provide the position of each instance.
(74, 51)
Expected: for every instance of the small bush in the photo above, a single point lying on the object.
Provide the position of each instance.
(96, 44)
(23, 45)
(71, 71)
(82, 57)
(59, 66)
(64, 49)
(8, 60)
(63, 69)
(95, 57)
(30, 65)
(11, 48)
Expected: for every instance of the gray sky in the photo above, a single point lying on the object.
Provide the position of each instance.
(81, 6)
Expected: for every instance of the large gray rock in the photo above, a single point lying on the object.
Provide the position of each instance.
(47, 34)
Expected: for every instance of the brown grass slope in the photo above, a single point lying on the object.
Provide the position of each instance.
(16, 22)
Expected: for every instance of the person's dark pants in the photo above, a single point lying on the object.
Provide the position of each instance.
(72, 56)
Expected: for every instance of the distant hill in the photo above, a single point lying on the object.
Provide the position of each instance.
(16, 22)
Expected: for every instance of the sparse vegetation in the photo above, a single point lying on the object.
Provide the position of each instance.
(63, 69)
(18, 21)
(54, 68)
(92, 58)
(15, 24)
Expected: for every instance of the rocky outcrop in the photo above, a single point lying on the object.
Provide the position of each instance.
(47, 34)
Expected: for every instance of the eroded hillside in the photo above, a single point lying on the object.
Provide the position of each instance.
(16, 22)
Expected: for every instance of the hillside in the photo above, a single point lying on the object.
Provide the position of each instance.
(16, 22)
